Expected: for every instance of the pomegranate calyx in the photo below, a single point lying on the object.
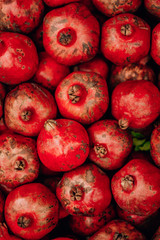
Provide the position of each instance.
(26, 115)
(123, 123)
(20, 165)
(120, 236)
(126, 30)
(100, 150)
(23, 221)
(127, 183)
(76, 193)
(75, 93)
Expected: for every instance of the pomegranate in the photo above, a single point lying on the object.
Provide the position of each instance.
(66, 144)
(66, 43)
(84, 190)
(155, 145)
(113, 7)
(20, 16)
(4, 235)
(132, 103)
(125, 39)
(85, 225)
(135, 187)
(155, 49)
(118, 230)
(31, 211)
(153, 6)
(109, 144)
(133, 71)
(19, 161)
(97, 65)
(16, 63)
(49, 72)
(27, 107)
(82, 96)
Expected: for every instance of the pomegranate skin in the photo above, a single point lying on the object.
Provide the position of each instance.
(31, 211)
(153, 6)
(63, 41)
(85, 225)
(82, 96)
(66, 144)
(20, 16)
(4, 235)
(19, 161)
(125, 39)
(109, 144)
(49, 72)
(155, 49)
(57, 3)
(27, 107)
(155, 145)
(133, 71)
(135, 103)
(17, 63)
(118, 229)
(135, 187)
(112, 7)
(84, 190)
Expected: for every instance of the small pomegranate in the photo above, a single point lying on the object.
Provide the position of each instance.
(82, 96)
(84, 190)
(97, 65)
(125, 39)
(155, 49)
(66, 43)
(133, 71)
(153, 6)
(62, 144)
(113, 7)
(132, 103)
(4, 234)
(49, 72)
(27, 107)
(136, 188)
(19, 161)
(20, 16)
(31, 211)
(85, 225)
(17, 64)
(109, 144)
(118, 230)
(155, 145)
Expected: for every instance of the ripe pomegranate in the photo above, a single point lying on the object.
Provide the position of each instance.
(97, 65)
(4, 234)
(118, 230)
(66, 43)
(31, 211)
(153, 6)
(82, 96)
(157, 234)
(113, 7)
(19, 161)
(16, 63)
(20, 16)
(135, 187)
(27, 107)
(132, 103)
(109, 144)
(49, 72)
(133, 71)
(155, 49)
(155, 145)
(62, 144)
(85, 225)
(125, 39)
(84, 190)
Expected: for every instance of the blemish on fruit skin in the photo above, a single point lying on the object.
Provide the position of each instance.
(89, 177)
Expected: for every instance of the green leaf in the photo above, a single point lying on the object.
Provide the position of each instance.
(145, 146)
(138, 142)
(137, 134)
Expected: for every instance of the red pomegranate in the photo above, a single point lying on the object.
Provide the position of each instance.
(17, 64)
(155, 49)
(155, 145)
(27, 107)
(118, 230)
(19, 161)
(20, 16)
(125, 39)
(84, 190)
(109, 144)
(135, 187)
(31, 211)
(66, 43)
(62, 144)
(82, 96)
(153, 6)
(49, 72)
(135, 103)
